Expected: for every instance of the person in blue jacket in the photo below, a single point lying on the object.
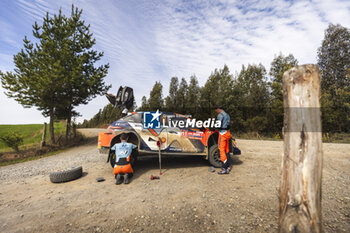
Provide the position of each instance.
(224, 140)
(122, 168)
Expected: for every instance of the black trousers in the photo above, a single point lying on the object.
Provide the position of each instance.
(128, 174)
(228, 161)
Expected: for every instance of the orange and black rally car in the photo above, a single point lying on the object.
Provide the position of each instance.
(171, 133)
(169, 137)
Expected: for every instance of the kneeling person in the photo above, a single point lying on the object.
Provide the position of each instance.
(122, 167)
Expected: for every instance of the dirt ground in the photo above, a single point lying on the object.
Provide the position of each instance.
(187, 198)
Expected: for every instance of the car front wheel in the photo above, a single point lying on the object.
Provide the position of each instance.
(134, 155)
(214, 156)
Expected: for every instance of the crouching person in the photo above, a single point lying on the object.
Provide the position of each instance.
(122, 168)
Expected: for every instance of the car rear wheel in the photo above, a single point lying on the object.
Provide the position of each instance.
(214, 156)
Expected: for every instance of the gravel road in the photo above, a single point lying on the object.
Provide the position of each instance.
(187, 198)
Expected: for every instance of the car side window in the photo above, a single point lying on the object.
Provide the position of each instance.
(137, 117)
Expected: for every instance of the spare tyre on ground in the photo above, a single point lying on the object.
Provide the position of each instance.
(65, 176)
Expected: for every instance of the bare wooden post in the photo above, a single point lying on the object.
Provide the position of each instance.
(43, 139)
(300, 190)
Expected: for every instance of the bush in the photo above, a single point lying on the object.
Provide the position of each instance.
(13, 140)
(256, 124)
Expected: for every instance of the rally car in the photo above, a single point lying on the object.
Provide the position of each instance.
(169, 140)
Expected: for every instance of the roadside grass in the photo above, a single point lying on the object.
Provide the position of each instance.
(21, 160)
(336, 138)
(255, 136)
(32, 134)
(34, 152)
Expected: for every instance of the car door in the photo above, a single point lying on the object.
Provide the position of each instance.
(178, 139)
(151, 136)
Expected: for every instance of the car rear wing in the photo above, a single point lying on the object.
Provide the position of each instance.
(123, 100)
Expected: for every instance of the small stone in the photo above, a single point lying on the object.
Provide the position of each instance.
(100, 179)
(22, 215)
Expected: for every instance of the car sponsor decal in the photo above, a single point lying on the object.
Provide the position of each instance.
(192, 135)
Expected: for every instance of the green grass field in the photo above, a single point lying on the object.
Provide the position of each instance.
(31, 133)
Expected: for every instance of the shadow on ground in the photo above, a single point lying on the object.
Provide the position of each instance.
(151, 162)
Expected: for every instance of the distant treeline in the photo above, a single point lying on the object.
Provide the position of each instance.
(253, 97)
(104, 116)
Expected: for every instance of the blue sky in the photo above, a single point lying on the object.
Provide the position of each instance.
(147, 41)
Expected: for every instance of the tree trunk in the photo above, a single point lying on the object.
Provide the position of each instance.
(74, 130)
(43, 139)
(300, 189)
(68, 129)
(52, 121)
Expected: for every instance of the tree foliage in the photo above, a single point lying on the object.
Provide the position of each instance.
(254, 99)
(279, 65)
(181, 95)
(12, 140)
(144, 104)
(155, 100)
(193, 97)
(215, 91)
(57, 72)
(104, 116)
(334, 62)
(171, 99)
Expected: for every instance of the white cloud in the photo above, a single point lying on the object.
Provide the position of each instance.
(14, 113)
(7, 34)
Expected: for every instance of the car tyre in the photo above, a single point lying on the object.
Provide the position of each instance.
(134, 156)
(65, 176)
(214, 156)
(111, 158)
